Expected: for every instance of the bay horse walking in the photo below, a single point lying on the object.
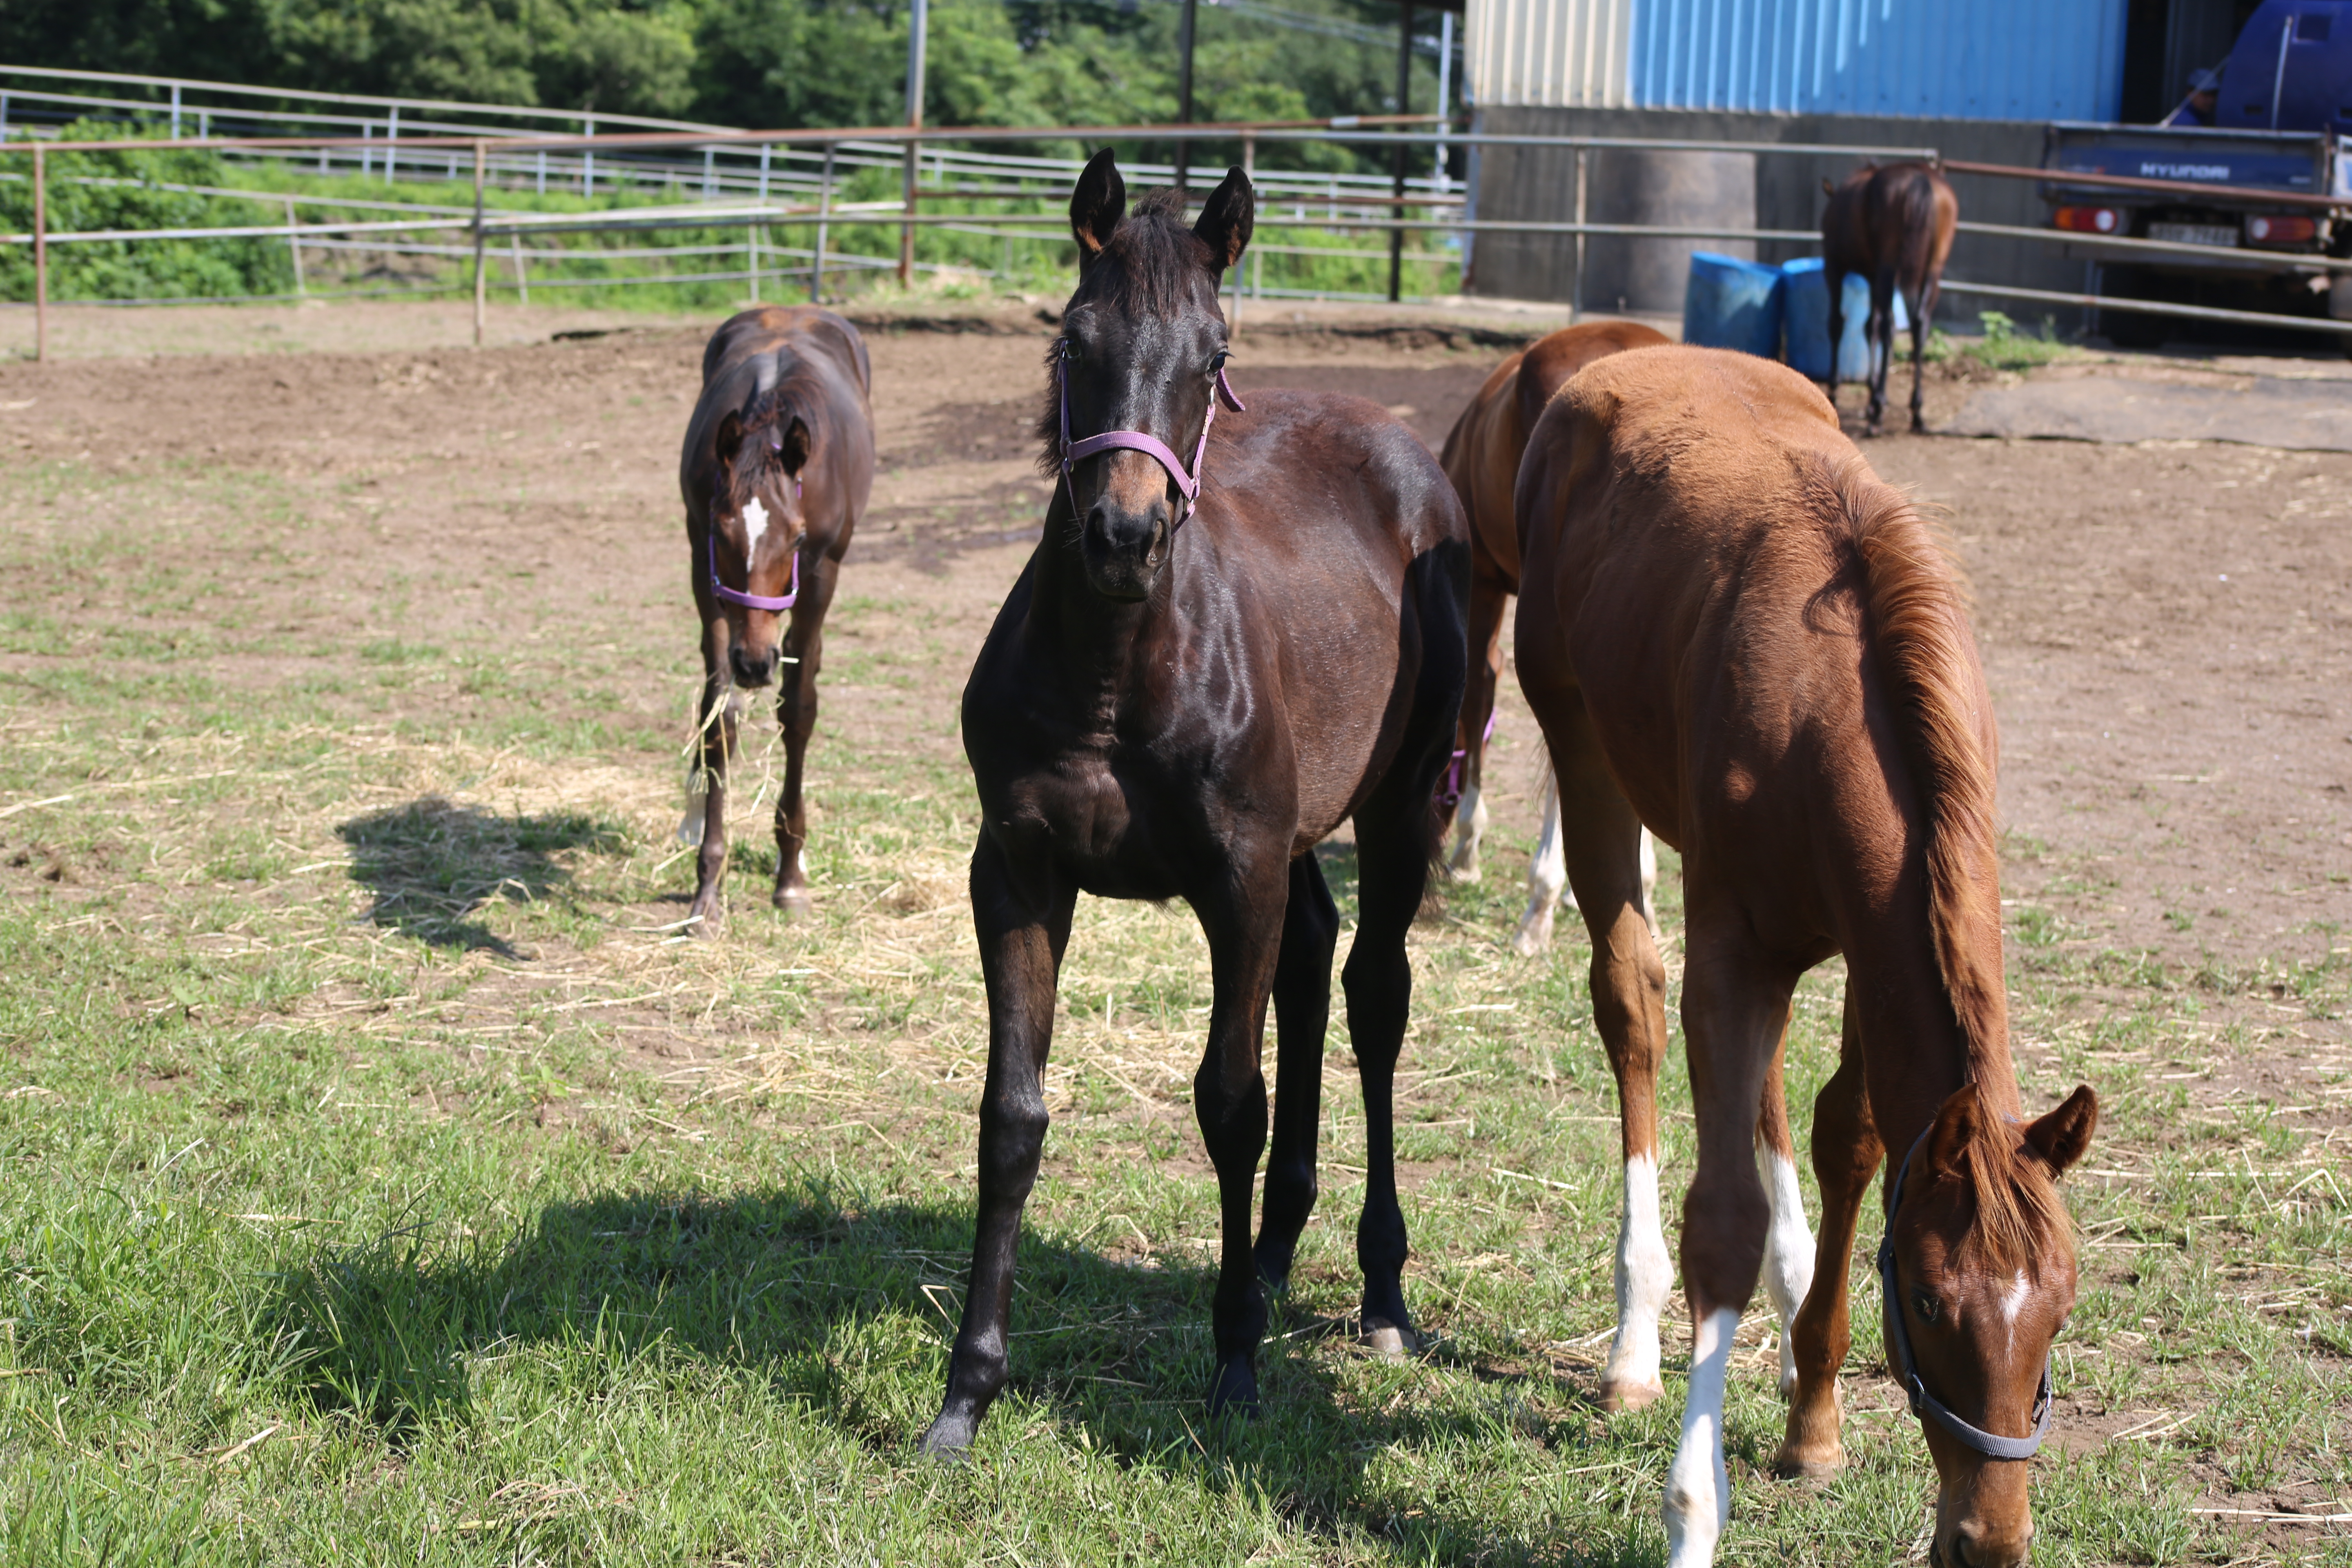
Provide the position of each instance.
(1482, 457)
(1733, 633)
(1893, 223)
(1225, 645)
(778, 463)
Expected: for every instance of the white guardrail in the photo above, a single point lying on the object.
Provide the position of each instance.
(661, 174)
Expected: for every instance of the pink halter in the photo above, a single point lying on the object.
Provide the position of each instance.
(1187, 480)
(735, 596)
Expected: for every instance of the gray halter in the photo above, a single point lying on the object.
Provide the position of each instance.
(1906, 1369)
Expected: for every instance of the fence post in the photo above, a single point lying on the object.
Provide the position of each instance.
(588, 158)
(392, 144)
(522, 282)
(294, 249)
(918, 38)
(1576, 281)
(751, 244)
(175, 111)
(1249, 171)
(823, 210)
(1404, 105)
(40, 254)
(481, 299)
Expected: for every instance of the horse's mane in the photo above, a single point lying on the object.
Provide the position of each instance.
(1143, 268)
(1918, 630)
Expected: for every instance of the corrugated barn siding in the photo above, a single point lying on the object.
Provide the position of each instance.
(1984, 59)
(1559, 53)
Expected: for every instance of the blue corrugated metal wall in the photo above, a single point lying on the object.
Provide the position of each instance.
(1974, 59)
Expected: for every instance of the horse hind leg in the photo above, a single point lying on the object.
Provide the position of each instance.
(1302, 1013)
(1787, 1244)
(1547, 877)
(1919, 362)
(1392, 874)
(1487, 600)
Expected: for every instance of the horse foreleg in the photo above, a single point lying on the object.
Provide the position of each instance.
(705, 822)
(1245, 926)
(1023, 924)
(1845, 1156)
(1302, 1015)
(1735, 1006)
(802, 657)
(1787, 1244)
(1392, 873)
(1488, 597)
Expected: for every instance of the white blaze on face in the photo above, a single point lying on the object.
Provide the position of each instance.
(1644, 1274)
(1788, 1257)
(2013, 1302)
(755, 523)
(1698, 1488)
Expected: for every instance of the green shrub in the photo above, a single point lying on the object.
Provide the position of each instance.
(126, 190)
(2004, 347)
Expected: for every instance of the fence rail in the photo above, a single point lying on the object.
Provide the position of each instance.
(757, 181)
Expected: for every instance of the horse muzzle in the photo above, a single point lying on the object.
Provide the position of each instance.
(752, 668)
(1123, 551)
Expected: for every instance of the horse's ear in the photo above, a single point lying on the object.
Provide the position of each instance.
(1096, 205)
(730, 435)
(1828, 189)
(2063, 1136)
(1227, 220)
(793, 449)
(1958, 1124)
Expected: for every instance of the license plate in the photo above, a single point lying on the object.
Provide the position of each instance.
(2194, 233)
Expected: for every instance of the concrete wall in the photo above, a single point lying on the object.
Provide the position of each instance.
(1538, 183)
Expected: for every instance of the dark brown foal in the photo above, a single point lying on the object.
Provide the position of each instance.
(1893, 223)
(1181, 702)
(1733, 633)
(778, 463)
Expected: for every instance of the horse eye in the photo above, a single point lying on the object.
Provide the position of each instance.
(1217, 361)
(1926, 1305)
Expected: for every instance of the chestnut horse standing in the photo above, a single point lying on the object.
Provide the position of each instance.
(1892, 223)
(1735, 634)
(1482, 457)
(1222, 650)
(779, 460)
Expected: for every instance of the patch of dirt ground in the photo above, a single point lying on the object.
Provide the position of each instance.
(2167, 627)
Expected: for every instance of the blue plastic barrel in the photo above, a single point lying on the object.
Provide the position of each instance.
(1805, 315)
(1732, 305)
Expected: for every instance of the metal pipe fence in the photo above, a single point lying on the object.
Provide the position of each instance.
(756, 182)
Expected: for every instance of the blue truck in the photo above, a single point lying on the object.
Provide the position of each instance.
(2276, 117)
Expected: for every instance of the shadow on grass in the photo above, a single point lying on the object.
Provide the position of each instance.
(432, 864)
(847, 1308)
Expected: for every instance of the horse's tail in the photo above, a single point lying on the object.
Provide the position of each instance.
(1919, 237)
(1919, 635)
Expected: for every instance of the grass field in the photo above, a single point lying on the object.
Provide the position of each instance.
(386, 1185)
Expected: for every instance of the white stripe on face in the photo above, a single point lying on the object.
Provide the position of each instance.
(755, 523)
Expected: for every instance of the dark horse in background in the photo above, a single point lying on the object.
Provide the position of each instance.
(1892, 223)
(778, 463)
(1175, 706)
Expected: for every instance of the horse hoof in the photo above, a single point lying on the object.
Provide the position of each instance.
(701, 921)
(949, 1438)
(1234, 1391)
(1797, 1465)
(1619, 1398)
(1387, 1340)
(793, 901)
(1531, 941)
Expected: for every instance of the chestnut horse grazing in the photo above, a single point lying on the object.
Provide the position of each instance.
(1224, 646)
(778, 463)
(1892, 223)
(1734, 633)
(1482, 457)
